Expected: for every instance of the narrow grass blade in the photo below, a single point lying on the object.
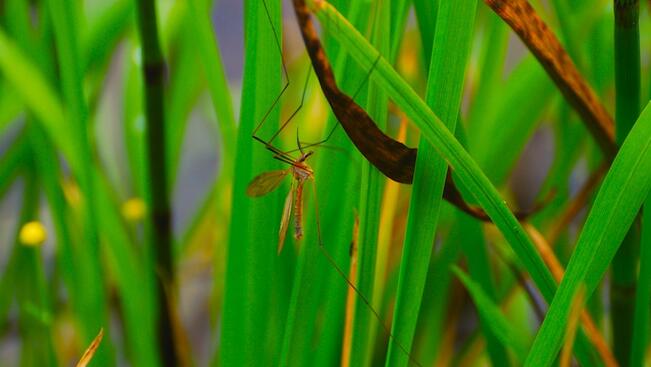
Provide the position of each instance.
(621, 195)
(643, 292)
(134, 283)
(34, 304)
(453, 36)
(11, 163)
(436, 300)
(494, 46)
(10, 106)
(134, 120)
(104, 33)
(65, 18)
(479, 266)
(76, 273)
(495, 320)
(425, 11)
(29, 83)
(186, 84)
(250, 334)
(213, 66)
(371, 188)
(319, 292)
(503, 132)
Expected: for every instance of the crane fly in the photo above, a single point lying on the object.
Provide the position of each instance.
(301, 172)
(267, 182)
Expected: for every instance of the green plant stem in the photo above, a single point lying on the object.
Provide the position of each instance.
(627, 109)
(159, 231)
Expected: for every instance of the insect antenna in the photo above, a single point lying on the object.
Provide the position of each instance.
(352, 286)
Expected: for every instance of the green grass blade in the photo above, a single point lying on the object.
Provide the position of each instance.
(11, 163)
(491, 60)
(479, 266)
(75, 273)
(104, 33)
(453, 36)
(642, 293)
(425, 11)
(213, 66)
(371, 189)
(29, 83)
(34, 305)
(134, 283)
(318, 291)
(184, 89)
(436, 300)
(495, 320)
(621, 195)
(133, 127)
(249, 336)
(10, 106)
(65, 18)
(498, 139)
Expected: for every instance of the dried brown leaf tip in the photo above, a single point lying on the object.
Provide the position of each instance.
(542, 42)
(92, 348)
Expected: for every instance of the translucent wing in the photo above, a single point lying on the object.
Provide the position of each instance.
(285, 219)
(265, 182)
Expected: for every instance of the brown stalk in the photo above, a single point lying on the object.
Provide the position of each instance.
(576, 308)
(591, 330)
(544, 45)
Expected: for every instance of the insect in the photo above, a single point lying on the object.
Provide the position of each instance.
(267, 182)
(301, 172)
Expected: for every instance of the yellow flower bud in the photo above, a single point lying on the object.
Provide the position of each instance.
(32, 234)
(134, 209)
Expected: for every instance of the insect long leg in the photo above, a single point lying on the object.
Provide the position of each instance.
(342, 274)
(300, 106)
(285, 74)
(268, 143)
(359, 89)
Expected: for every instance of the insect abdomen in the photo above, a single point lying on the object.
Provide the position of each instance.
(298, 213)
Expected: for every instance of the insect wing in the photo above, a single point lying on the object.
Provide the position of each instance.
(284, 222)
(265, 182)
